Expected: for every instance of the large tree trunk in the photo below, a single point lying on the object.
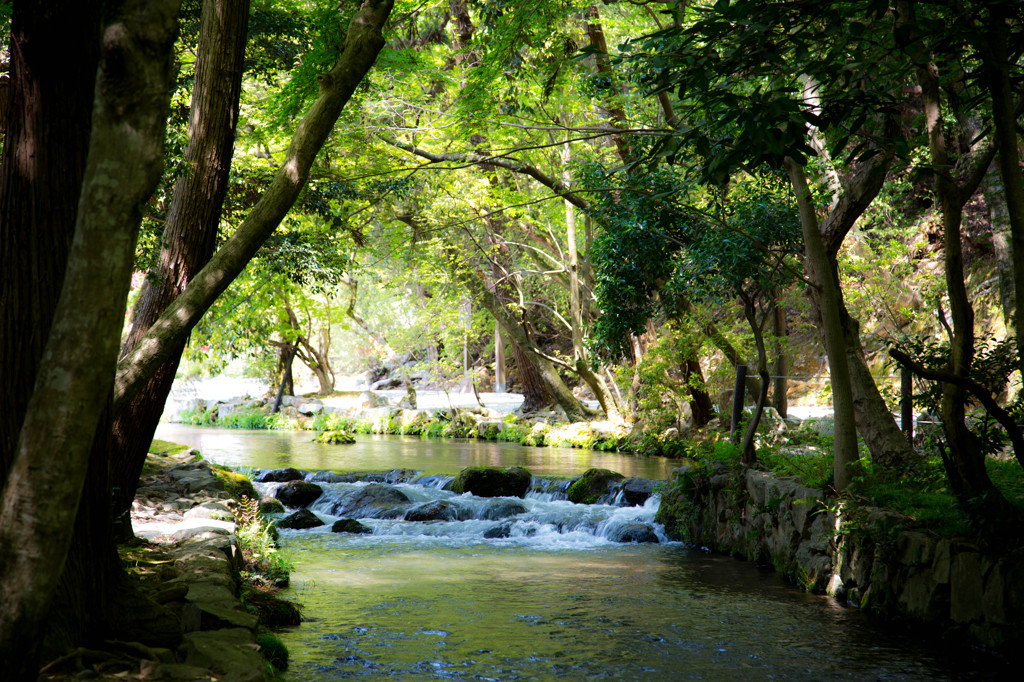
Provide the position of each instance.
(124, 163)
(44, 151)
(362, 44)
(535, 394)
(190, 233)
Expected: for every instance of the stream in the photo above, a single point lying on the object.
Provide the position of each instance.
(537, 589)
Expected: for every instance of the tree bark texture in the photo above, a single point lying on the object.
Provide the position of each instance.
(123, 167)
(535, 393)
(190, 234)
(363, 42)
(44, 152)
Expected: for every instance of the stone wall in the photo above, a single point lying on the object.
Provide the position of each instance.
(866, 557)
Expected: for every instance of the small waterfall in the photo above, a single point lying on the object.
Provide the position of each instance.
(401, 504)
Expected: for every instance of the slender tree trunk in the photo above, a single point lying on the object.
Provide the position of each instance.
(748, 456)
(190, 233)
(780, 389)
(823, 276)
(124, 163)
(284, 361)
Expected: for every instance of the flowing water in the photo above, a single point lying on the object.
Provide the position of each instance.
(536, 589)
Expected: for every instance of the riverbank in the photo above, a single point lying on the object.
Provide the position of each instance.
(189, 620)
(956, 588)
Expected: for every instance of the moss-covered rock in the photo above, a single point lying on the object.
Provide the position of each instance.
(237, 484)
(592, 485)
(493, 481)
(339, 437)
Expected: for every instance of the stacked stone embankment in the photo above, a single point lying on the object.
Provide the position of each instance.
(866, 557)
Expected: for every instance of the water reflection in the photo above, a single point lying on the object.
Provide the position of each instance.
(276, 449)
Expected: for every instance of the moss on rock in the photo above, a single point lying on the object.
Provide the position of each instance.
(589, 487)
(237, 484)
(339, 437)
(493, 481)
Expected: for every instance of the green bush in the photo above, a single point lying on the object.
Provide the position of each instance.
(197, 417)
(248, 419)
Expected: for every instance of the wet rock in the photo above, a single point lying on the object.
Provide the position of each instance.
(300, 520)
(229, 651)
(437, 510)
(636, 491)
(271, 505)
(331, 477)
(350, 526)
(373, 501)
(280, 476)
(493, 481)
(502, 530)
(593, 485)
(502, 509)
(298, 494)
(632, 532)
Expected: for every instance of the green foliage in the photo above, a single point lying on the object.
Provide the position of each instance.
(197, 416)
(740, 83)
(245, 419)
(258, 541)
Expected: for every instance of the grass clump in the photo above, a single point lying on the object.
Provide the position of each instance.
(273, 650)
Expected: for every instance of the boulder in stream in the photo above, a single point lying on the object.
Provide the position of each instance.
(300, 520)
(636, 491)
(373, 501)
(502, 530)
(271, 505)
(502, 509)
(350, 526)
(280, 476)
(593, 485)
(632, 532)
(437, 510)
(493, 481)
(298, 494)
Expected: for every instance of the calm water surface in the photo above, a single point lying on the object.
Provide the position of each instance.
(555, 599)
